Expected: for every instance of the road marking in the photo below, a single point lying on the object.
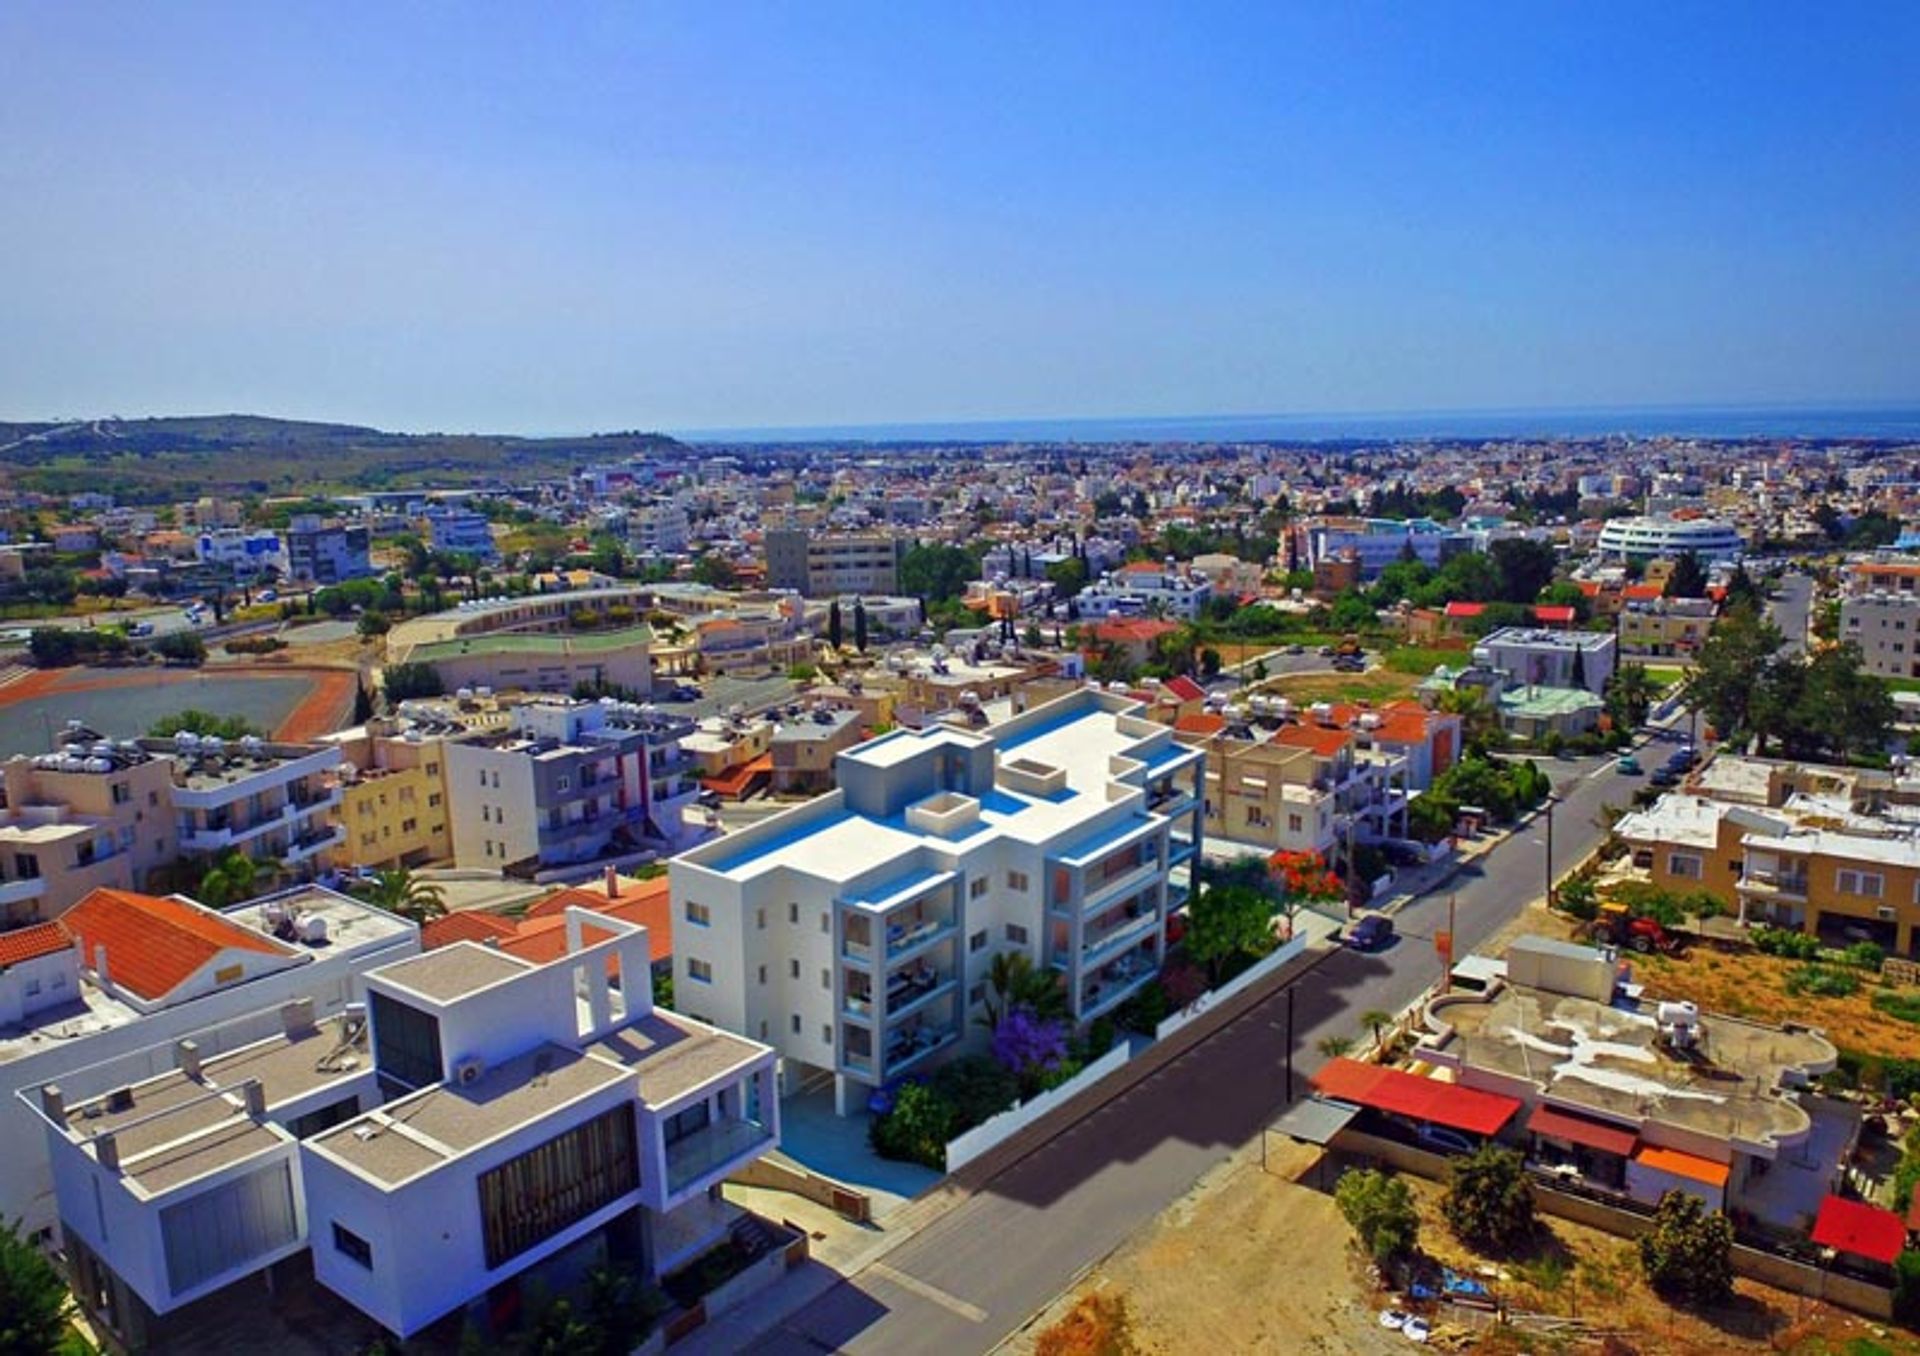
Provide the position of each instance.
(973, 1313)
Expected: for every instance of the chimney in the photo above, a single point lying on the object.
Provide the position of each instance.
(613, 882)
(296, 1018)
(255, 1093)
(186, 1058)
(54, 1103)
(106, 1149)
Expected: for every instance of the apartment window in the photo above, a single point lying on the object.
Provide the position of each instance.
(1866, 884)
(793, 969)
(978, 942)
(699, 970)
(433, 769)
(552, 1186)
(563, 783)
(1684, 865)
(153, 798)
(793, 914)
(1016, 934)
(433, 801)
(796, 1023)
(1016, 880)
(26, 866)
(699, 914)
(483, 776)
(760, 918)
(763, 974)
(406, 1042)
(976, 887)
(826, 979)
(826, 1033)
(122, 793)
(351, 1246)
(826, 923)
(409, 825)
(486, 843)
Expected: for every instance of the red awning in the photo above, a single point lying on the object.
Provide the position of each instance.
(1861, 1229)
(1579, 1130)
(1421, 1099)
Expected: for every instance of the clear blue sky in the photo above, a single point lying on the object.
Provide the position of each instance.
(569, 217)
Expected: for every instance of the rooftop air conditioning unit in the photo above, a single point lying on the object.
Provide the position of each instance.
(467, 1072)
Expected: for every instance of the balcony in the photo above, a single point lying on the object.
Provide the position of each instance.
(1097, 950)
(21, 891)
(311, 844)
(706, 1152)
(1120, 886)
(1114, 982)
(910, 990)
(1171, 801)
(1775, 884)
(907, 1048)
(903, 938)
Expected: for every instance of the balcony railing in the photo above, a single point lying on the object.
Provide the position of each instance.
(909, 1048)
(915, 934)
(705, 1152)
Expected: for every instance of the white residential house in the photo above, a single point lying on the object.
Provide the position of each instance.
(855, 933)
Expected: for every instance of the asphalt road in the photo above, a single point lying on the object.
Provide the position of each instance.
(975, 1274)
(1792, 609)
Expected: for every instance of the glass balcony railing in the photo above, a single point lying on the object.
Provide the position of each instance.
(704, 1152)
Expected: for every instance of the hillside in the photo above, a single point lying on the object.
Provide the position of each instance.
(156, 460)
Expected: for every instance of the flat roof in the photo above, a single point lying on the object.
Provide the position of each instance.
(440, 1123)
(674, 1056)
(452, 972)
(1608, 1061)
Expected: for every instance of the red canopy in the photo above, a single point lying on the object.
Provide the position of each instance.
(1861, 1229)
(1421, 1099)
(1579, 1130)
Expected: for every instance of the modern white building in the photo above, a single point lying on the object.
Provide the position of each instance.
(1533, 657)
(855, 933)
(1886, 627)
(1378, 542)
(1146, 589)
(460, 531)
(477, 1116)
(86, 1000)
(247, 554)
(1650, 538)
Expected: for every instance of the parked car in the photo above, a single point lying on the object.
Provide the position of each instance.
(140, 628)
(266, 596)
(1327, 652)
(1296, 649)
(1664, 778)
(1628, 765)
(1441, 1137)
(1369, 932)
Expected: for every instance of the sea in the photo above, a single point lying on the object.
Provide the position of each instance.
(1824, 422)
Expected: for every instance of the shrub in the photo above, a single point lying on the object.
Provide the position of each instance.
(1146, 1009)
(1903, 1005)
(917, 1129)
(1380, 1209)
(33, 1298)
(1820, 981)
(977, 1087)
(181, 647)
(254, 645)
(1906, 1287)
(1786, 942)
(1488, 1204)
(1578, 899)
(1097, 1326)
(1865, 955)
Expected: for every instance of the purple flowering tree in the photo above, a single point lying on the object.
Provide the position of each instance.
(1029, 1046)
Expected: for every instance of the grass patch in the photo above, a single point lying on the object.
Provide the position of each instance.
(1901, 1005)
(1663, 676)
(1378, 686)
(1421, 660)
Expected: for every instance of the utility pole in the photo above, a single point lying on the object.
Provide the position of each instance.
(1290, 993)
(1549, 849)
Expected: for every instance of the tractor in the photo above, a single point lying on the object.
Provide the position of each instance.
(1617, 926)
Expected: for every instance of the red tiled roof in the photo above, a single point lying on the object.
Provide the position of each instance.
(25, 944)
(648, 903)
(1184, 689)
(1321, 741)
(1403, 727)
(468, 926)
(1861, 1229)
(1421, 1099)
(154, 945)
(736, 778)
(1614, 1139)
(1551, 612)
(1642, 593)
(1458, 609)
(1142, 629)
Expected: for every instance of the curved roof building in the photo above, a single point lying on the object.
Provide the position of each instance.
(1648, 538)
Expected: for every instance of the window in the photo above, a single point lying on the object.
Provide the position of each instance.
(826, 980)
(1684, 865)
(529, 1199)
(700, 970)
(699, 914)
(1866, 884)
(1016, 934)
(763, 974)
(406, 1042)
(976, 887)
(1256, 817)
(760, 918)
(793, 969)
(26, 866)
(793, 913)
(826, 1033)
(122, 793)
(433, 769)
(978, 942)
(1294, 824)
(433, 801)
(976, 995)
(483, 776)
(1016, 880)
(563, 782)
(796, 1023)
(409, 825)
(690, 1121)
(826, 924)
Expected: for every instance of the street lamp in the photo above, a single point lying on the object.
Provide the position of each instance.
(1549, 804)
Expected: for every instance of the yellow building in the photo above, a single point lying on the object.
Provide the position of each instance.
(393, 799)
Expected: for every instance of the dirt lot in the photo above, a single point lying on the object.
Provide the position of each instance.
(1252, 1261)
(1376, 685)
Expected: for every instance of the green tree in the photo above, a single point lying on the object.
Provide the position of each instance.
(937, 573)
(1524, 566)
(403, 681)
(1488, 1204)
(1334, 1047)
(1013, 982)
(1688, 1254)
(229, 880)
(372, 624)
(1067, 576)
(182, 647)
(33, 1299)
(917, 1129)
(1227, 921)
(714, 570)
(1629, 696)
(1351, 612)
(1380, 1211)
(1688, 580)
(1732, 667)
(834, 632)
(399, 891)
(860, 625)
(199, 722)
(1376, 1020)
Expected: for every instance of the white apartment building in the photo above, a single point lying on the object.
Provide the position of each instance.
(476, 1117)
(855, 933)
(1886, 627)
(659, 529)
(1534, 657)
(247, 554)
(1146, 589)
(86, 1000)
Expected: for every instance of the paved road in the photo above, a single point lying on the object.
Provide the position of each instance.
(975, 1274)
(1792, 610)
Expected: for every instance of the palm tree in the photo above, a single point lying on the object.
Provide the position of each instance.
(1479, 721)
(230, 878)
(1012, 982)
(400, 892)
(1333, 1047)
(1376, 1020)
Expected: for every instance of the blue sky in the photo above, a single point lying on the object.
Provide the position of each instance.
(560, 218)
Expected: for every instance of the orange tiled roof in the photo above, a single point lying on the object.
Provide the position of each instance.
(1642, 593)
(1184, 689)
(25, 944)
(1403, 727)
(1201, 723)
(648, 903)
(1318, 739)
(469, 926)
(1143, 629)
(153, 944)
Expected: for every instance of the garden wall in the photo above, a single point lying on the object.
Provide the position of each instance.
(964, 1148)
(1245, 979)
